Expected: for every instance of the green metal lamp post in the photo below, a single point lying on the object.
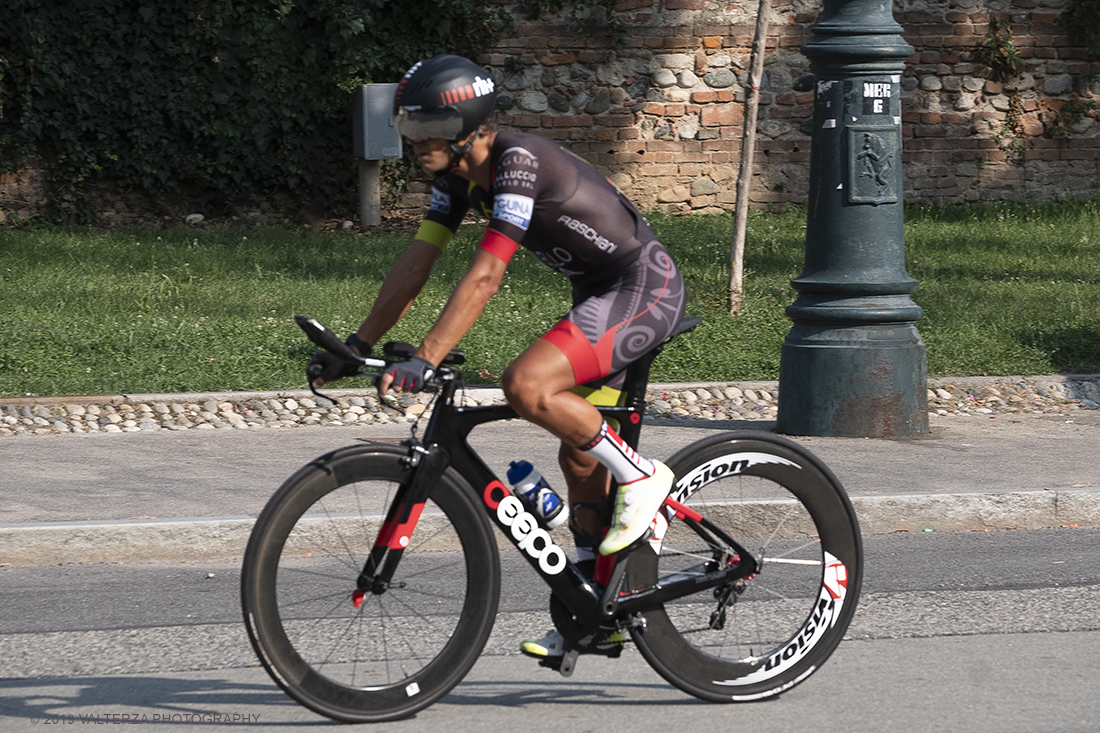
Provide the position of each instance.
(853, 363)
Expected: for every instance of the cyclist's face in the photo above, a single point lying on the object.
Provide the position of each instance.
(434, 155)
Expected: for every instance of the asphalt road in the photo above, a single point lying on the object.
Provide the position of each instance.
(990, 631)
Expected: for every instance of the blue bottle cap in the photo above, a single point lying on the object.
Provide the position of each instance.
(518, 470)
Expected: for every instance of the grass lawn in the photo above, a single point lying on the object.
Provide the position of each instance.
(1006, 289)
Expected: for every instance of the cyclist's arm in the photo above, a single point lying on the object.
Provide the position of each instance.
(404, 281)
(465, 305)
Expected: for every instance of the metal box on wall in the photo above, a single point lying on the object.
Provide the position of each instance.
(374, 137)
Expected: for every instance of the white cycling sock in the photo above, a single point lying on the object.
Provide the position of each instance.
(621, 460)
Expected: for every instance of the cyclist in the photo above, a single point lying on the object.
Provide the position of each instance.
(628, 294)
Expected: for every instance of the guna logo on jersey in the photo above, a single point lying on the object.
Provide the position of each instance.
(525, 529)
(514, 209)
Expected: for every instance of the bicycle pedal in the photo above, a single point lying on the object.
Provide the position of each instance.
(611, 652)
(609, 649)
(553, 663)
(564, 664)
(568, 662)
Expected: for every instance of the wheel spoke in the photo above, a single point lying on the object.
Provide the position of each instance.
(815, 543)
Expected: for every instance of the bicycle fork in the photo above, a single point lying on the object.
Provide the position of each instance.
(428, 465)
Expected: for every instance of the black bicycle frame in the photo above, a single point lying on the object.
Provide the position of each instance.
(451, 426)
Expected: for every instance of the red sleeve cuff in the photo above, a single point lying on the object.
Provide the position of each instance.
(498, 245)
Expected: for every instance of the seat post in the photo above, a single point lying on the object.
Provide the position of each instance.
(637, 380)
(634, 388)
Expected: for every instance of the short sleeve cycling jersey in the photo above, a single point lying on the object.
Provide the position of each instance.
(548, 200)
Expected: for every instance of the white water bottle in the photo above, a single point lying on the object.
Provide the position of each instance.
(533, 489)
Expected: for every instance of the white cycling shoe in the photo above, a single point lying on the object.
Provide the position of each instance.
(552, 646)
(548, 647)
(635, 507)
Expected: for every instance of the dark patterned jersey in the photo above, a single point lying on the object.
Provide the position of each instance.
(548, 200)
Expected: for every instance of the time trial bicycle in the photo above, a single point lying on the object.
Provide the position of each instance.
(371, 579)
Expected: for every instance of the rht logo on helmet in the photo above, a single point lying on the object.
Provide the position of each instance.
(479, 88)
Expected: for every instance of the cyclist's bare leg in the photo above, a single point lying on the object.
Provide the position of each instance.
(588, 483)
(537, 385)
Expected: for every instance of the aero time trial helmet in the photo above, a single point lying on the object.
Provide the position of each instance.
(444, 97)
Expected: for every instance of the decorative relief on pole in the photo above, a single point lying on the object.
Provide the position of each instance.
(871, 164)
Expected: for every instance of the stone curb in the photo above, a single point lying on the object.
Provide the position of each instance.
(933, 383)
(299, 408)
(221, 538)
(979, 510)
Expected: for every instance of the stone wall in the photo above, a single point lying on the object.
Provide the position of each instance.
(663, 116)
(21, 193)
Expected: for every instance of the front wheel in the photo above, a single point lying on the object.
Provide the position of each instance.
(757, 636)
(387, 650)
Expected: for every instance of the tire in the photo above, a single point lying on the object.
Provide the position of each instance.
(400, 650)
(779, 502)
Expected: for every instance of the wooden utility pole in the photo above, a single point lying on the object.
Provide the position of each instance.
(748, 145)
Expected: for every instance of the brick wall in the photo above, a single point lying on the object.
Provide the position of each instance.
(664, 115)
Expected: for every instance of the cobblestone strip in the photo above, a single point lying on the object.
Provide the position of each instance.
(728, 401)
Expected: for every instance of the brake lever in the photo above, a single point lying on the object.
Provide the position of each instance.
(375, 379)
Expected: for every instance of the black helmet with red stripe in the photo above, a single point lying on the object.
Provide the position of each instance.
(444, 97)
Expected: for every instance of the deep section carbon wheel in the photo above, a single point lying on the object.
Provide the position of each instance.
(360, 649)
(757, 636)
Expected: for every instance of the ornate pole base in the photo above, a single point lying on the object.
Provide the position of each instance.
(853, 364)
(865, 381)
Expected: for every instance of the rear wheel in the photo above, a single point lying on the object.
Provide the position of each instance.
(755, 637)
(385, 652)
